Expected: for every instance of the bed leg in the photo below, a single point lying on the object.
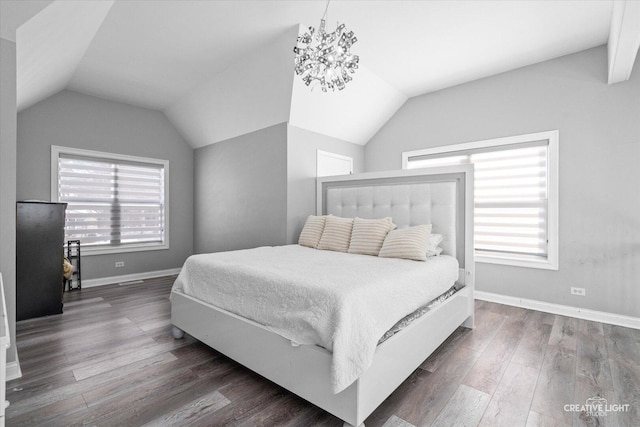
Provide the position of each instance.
(469, 323)
(346, 424)
(177, 332)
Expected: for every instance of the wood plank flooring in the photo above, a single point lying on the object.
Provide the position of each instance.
(110, 360)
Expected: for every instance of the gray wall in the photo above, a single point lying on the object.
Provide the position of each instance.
(8, 119)
(241, 191)
(599, 168)
(302, 146)
(76, 120)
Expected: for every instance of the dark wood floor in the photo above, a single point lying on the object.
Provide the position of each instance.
(110, 360)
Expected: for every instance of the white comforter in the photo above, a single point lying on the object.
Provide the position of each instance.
(343, 302)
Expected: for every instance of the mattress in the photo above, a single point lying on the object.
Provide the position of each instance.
(342, 302)
(421, 311)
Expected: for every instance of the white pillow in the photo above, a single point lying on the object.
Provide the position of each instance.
(312, 231)
(368, 235)
(336, 234)
(432, 245)
(407, 243)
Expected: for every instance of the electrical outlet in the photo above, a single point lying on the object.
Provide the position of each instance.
(121, 264)
(578, 291)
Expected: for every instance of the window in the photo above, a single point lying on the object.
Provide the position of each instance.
(116, 203)
(516, 195)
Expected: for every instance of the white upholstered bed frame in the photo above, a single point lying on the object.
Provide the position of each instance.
(441, 196)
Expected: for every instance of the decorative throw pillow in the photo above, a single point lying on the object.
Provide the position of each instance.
(337, 234)
(368, 235)
(312, 231)
(407, 243)
(432, 245)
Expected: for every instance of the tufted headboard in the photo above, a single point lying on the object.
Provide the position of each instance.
(408, 204)
(414, 197)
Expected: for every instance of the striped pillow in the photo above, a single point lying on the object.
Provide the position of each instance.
(337, 234)
(407, 243)
(312, 231)
(368, 235)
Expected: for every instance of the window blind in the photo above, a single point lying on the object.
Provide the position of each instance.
(511, 195)
(111, 202)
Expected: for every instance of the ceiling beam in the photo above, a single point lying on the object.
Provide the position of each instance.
(624, 39)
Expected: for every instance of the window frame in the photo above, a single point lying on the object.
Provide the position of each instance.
(551, 262)
(89, 250)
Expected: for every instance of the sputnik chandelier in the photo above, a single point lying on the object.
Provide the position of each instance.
(325, 58)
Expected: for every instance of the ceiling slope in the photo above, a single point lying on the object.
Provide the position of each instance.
(14, 13)
(222, 68)
(440, 44)
(262, 90)
(354, 114)
(52, 44)
(250, 94)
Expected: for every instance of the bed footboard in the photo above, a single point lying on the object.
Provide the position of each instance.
(305, 369)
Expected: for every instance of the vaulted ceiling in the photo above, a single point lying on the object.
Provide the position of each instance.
(219, 69)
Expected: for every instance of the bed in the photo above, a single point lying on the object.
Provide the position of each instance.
(308, 365)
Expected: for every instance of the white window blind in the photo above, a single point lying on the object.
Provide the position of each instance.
(511, 195)
(112, 202)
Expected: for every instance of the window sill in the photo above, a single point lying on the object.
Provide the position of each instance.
(518, 261)
(141, 247)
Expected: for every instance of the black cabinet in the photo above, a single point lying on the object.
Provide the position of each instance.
(39, 253)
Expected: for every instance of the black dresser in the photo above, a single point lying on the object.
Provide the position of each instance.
(39, 254)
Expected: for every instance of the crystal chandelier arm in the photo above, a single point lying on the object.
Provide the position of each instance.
(325, 58)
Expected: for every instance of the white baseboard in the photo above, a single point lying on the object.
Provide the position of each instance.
(89, 283)
(13, 370)
(564, 310)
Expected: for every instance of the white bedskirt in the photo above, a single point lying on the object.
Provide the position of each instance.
(342, 302)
